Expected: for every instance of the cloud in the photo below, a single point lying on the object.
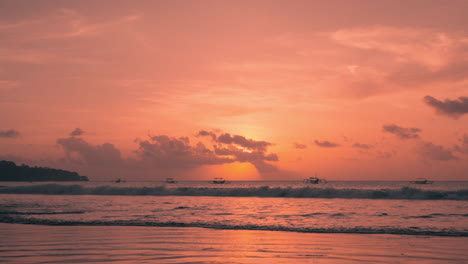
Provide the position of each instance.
(450, 108)
(362, 146)
(226, 138)
(463, 147)
(400, 58)
(299, 146)
(77, 132)
(257, 158)
(79, 151)
(429, 48)
(430, 151)
(416, 75)
(402, 132)
(242, 149)
(384, 155)
(176, 153)
(207, 133)
(326, 144)
(24, 37)
(11, 133)
(64, 23)
(165, 154)
(156, 156)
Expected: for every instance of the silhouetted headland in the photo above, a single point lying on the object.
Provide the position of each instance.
(9, 171)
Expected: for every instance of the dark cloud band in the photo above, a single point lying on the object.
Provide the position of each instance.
(450, 108)
(326, 144)
(11, 133)
(77, 132)
(402, 132)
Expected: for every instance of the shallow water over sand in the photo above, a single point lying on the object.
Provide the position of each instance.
(90, 244)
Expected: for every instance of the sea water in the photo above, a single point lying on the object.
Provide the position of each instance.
(438, 209)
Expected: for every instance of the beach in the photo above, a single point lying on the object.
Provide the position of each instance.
(304, 131)
(123, 244)
(248, 222)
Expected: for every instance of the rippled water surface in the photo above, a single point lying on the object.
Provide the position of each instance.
(342, 207)
(32, 244)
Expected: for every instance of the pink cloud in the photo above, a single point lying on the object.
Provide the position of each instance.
(430, 48)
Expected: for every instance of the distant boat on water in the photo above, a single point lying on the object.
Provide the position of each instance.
(314, 180)
(119, 180)
(219, 181)
(422, 181)
(170, 180)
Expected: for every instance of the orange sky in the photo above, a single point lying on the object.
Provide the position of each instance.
(351, 90)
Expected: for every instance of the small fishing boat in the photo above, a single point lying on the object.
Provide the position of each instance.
(170, 180)
(422, 181)
(314, 180)
(118, 180)
(219, 181)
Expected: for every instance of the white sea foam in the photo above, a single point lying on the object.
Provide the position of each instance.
(389, 210)
(354, 230)
(264, 191)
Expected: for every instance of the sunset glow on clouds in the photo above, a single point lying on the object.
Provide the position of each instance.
(352, 90)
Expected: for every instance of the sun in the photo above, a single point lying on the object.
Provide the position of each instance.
(240, 171)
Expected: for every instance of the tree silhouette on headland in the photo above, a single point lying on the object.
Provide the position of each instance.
(9, 171)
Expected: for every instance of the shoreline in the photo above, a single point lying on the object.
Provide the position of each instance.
(5, 219)
(21, 243)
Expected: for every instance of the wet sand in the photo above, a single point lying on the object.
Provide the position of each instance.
(114, 244)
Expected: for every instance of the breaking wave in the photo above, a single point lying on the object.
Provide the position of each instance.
(350, 230)
(265, 191)
(436, 215)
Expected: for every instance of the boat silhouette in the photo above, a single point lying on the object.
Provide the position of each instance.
(170, 180)
(314, 180)
(422, 181)
(219, 181)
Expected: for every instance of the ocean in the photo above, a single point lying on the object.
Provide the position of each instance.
(386, 208)
(439, 209)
